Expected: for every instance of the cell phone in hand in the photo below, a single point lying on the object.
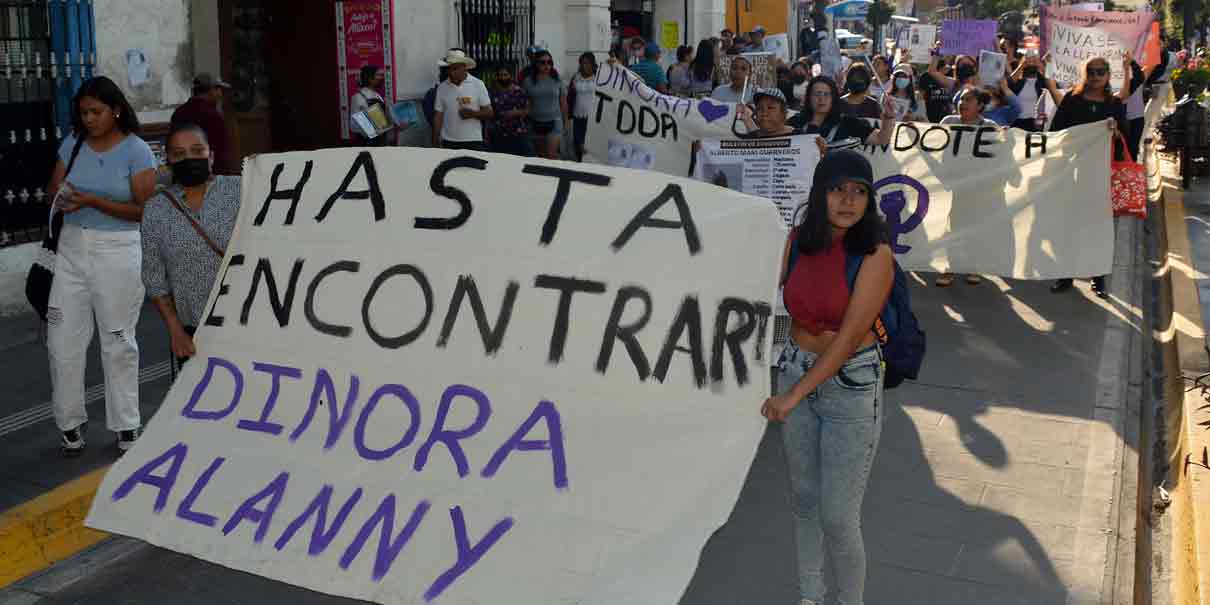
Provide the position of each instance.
(63, 196)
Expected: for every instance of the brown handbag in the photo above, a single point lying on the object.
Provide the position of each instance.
(196, 227)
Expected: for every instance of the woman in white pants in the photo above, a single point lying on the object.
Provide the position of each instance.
(99, 262)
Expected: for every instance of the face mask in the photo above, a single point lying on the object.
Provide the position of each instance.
(965, 71)
(857, 85)
(504, 82)
(799, 78)
(902, 82)
(191, 172)
(1030, 72)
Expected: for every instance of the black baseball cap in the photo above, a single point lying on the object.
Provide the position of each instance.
(840, 166)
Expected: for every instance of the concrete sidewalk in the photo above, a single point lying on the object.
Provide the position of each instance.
(997, 480)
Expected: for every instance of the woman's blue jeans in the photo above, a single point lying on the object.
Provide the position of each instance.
(830, 441)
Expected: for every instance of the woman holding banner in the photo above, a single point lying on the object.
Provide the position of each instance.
(830, 375)
(820, 115)
(971, 103)
(770, 115)
(1092, 100)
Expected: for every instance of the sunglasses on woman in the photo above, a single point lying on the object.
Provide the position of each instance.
(1098, 71)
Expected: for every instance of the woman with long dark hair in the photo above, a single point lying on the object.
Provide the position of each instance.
(702, 77)
(821, 115)
(830, 375)
(678, 74)
(547, 105)
(98, 267)
(1092, 100)
(909, 107)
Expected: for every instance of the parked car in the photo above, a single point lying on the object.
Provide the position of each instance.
(852, 44)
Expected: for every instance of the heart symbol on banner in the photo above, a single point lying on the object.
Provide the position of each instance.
(712, 111)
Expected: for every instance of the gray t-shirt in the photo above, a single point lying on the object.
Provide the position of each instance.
(545, 93)
(727, 94)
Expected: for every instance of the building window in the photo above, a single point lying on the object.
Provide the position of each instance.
(496, 33)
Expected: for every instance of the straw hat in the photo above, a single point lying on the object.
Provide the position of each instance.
(456, 57)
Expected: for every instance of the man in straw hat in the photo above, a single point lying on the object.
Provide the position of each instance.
(461, 106)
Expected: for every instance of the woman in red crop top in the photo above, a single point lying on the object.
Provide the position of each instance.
(829, 379)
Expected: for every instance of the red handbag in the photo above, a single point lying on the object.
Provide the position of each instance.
(1128, 185)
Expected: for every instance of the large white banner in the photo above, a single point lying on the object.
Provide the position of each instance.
(997, 201)
(432, 376)
(634, 126)
(977, 199)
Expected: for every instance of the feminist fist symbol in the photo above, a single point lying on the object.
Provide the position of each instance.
(894, 202)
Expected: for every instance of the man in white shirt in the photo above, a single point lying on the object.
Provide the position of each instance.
(461, 105)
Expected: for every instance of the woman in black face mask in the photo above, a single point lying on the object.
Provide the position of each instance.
(858, 102)
(185, 231)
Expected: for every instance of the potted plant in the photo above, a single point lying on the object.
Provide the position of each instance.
(1191, 78)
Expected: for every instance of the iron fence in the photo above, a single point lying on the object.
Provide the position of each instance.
(46, 52)
(496, 33)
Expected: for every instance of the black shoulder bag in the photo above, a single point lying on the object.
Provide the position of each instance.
(42, 271)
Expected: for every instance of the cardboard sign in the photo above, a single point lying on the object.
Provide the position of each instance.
(449, 377)
(991, 67)
(1072, 37)
(764, 70)
(967, 36)
(779, 170)
(779, 46)
(920, 41)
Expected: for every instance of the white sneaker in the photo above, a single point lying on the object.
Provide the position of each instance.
(126, 439)
(808, 602)
(71, 443)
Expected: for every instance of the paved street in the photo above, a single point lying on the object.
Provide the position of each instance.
(29, 461)
(994, 483)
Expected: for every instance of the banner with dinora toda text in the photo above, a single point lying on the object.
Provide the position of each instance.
(431, 376)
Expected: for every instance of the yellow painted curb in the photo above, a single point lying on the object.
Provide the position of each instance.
(1189, 443)
(48, 529)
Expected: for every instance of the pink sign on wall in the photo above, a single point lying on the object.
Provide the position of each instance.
(363, 37)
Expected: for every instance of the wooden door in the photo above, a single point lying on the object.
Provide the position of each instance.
(744, 15)
(246, 105)
(300, 51)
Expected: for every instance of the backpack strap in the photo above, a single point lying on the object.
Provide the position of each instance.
(852, 266)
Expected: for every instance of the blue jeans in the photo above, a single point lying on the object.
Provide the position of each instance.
(830, 441)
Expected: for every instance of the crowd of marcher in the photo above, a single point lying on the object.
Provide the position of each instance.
(120, 239)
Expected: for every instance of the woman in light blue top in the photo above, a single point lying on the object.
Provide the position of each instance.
(98, 266)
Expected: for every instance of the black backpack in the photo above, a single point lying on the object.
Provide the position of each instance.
(903, 342)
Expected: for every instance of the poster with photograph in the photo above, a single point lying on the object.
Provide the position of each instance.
(991, 67)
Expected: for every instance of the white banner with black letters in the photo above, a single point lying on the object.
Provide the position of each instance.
(966, 199)
(526, 382)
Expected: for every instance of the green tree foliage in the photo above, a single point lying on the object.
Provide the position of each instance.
(992, 9)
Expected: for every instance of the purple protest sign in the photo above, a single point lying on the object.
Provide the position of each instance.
(968, 36)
